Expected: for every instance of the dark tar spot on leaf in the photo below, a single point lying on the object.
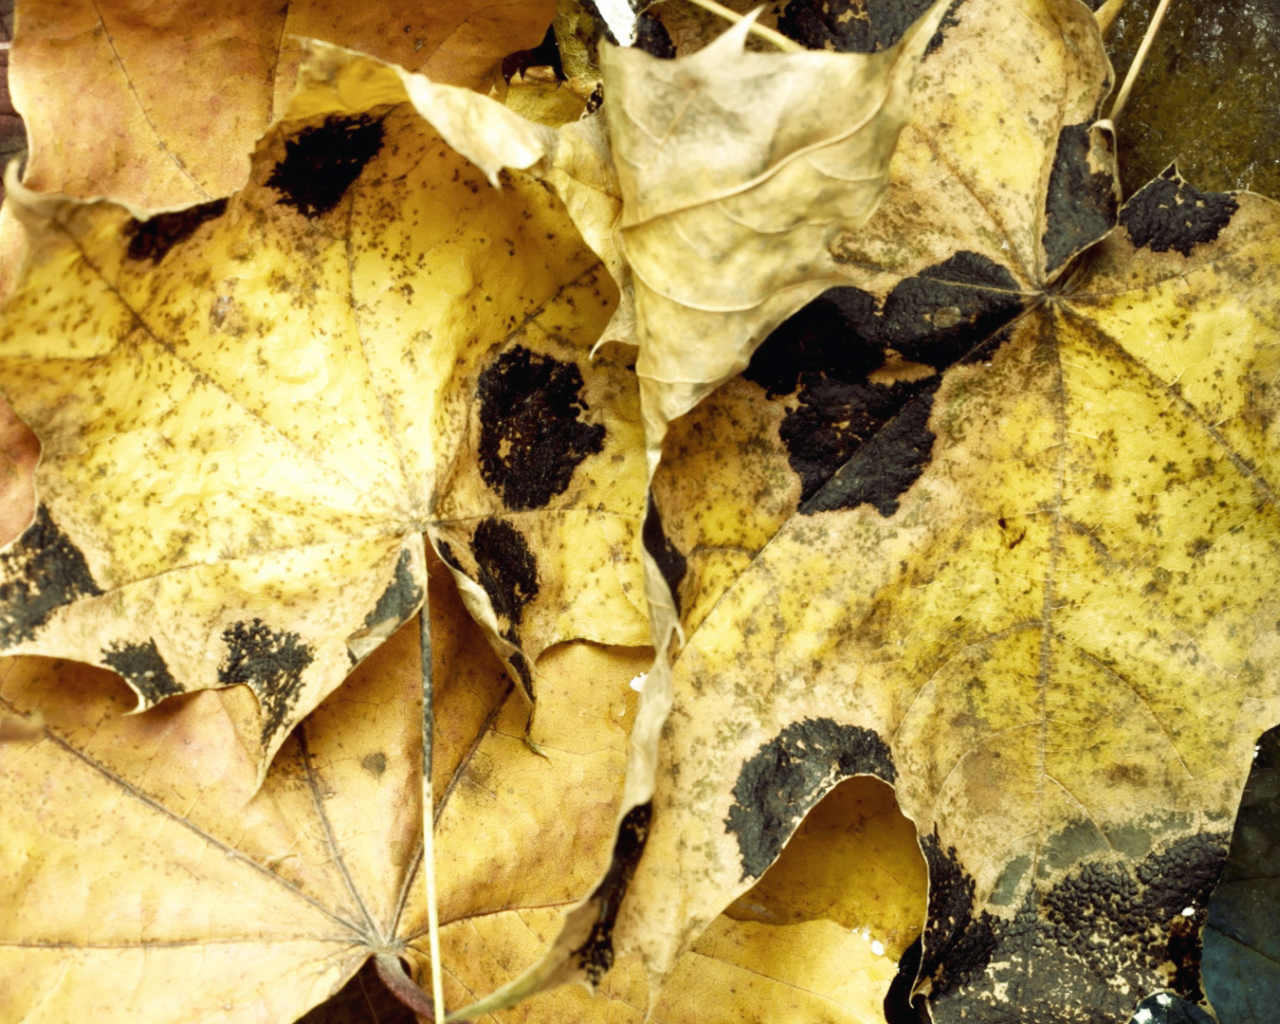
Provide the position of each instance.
(849, 26)
(782, 781)
(374, 764)
(822, 338)
(653, 38)
(447, 556)
(946, 313)
(1102, 934)
(1081, 203)
(271, 663)
(854, 441)
(950, 19)
(322, 161)
(152, 239)
(509, 574)
(532, 437)
(1168, 213)
(671, 563)
(400, 599)
(43, 570)
(144, 669)
(956, 947)
(874, 470)
(595, 955)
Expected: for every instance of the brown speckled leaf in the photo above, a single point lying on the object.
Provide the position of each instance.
(253, 409)
(997, 523)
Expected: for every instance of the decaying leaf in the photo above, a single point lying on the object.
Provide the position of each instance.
(275, 395)
(995, 522)
(737, 169)
(147, 877)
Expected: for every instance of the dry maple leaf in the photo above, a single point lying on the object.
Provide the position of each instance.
(147, 876)
(252, 409)
(995, 523)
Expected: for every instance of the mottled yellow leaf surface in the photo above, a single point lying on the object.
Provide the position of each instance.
(251, 410)
(147, 877)
(996, 522)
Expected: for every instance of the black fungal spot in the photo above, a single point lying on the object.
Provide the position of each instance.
(1080, 951)
(1168, 213)
(448, 557)
(374, 764)
(400, 599)
(876, 437)
(1081, 203)
(520, 663)
(144, 668)
(671, 563)
(945, 314)
(508, 570)
(824, 338)
(531, 435)
(152, 239)
(653, 38)
(956, 946)
(949, 20)
(854, 441)
(321, 162)
(595, 955)
(849, 26)
(778, 786)
(45, 571)
(270, 663)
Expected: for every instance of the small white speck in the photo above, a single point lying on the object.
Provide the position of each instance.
(1142, 1016)
(1164, 999)
(637, 683)
(877, 947)
(1188, 911)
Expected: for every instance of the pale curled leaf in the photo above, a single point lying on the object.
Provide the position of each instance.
(283, 390)
(737, 169)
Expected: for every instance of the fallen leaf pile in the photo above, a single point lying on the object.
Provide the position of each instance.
(836, 401)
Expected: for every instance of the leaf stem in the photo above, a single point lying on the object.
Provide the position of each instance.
(1106, 15)
(1138, 58)
(777, 38)
(429, 810)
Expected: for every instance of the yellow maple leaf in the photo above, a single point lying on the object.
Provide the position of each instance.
(994, 522)
(277, 394)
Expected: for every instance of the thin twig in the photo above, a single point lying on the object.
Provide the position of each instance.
(428, 811)
(1123, 96)
(777, 38)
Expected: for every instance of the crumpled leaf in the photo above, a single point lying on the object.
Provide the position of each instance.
(993, 523)
(146, 876)
(736, 170)
(277, 394)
